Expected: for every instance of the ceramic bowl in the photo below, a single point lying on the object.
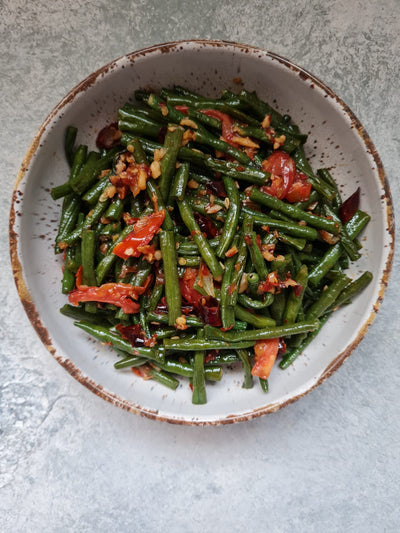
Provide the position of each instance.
(336, 140)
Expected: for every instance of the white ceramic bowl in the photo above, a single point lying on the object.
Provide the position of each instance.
(336, 140)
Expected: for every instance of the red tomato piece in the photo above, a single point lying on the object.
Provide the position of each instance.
(143, 232)
(300, 189)
(186, 285)
(265, 356)
(283, 171)
(227, 124)
(182, 108)
(119, 294)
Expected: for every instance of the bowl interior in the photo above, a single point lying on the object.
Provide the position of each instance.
(335, 141)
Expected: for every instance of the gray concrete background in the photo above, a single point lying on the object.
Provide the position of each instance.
(72, 462)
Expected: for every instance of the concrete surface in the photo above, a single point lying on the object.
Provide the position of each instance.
(72, 462)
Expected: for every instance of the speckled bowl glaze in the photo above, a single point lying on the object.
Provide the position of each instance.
(336, 140)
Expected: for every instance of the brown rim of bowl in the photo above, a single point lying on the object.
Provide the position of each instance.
(41, 330)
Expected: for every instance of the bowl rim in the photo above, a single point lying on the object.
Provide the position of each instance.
(27, 300)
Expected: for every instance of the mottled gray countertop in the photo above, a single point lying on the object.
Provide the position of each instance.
(70, 461)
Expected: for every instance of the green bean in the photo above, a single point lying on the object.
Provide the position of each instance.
(78, 161)
(69, 217)
(159, 318)
(257, 321)
(140, 125)
(130, 112)
(172, 290)
(88, 175)
(352, 289)
(247, 302)
(294, 229)
(92, 195)
(190, 261)
(169, 365)
(237, 272)
(326, 177)
(295, 298)
(227, 309)
(73, 258)
(224, 358)
(68, 281)
(155, 195)
(296, 242)
(264, 385)
(260, 108)
(111, 229)
(198, 116)
(190, 247)
(155, 296)
(256, 256)
(91, 307)
(193, 345)
(278, 306)
(199, 395)
(69, 142)
(163, 378)
(180, 182)
(201, 242)
(115, 209)
(232, 218)
(106, 336)
(91, 218)
(253, 281)
(130, 361)
(143, 319)
(273, 332)
(244, 356)
(88, 244)
(172, 143)
(353, 227)
(298, 214)
(78, 313)
(143, 271)
(163, 332)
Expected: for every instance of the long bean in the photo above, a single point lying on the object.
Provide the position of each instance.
(272, 332)
(232, 218)
(199, 395)
(201, 242)
(106, 336)
(294, 212)
(172, 290)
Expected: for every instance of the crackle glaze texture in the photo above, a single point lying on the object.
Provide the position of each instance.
(72, 462)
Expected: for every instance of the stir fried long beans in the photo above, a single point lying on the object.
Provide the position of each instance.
(197, 237)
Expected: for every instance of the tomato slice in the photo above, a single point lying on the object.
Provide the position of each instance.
(300, 189)
(186, 285)
(265, 356)
(119, 294)
(143, 232)
(182, 108)
(283, 171)
(227, 124)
